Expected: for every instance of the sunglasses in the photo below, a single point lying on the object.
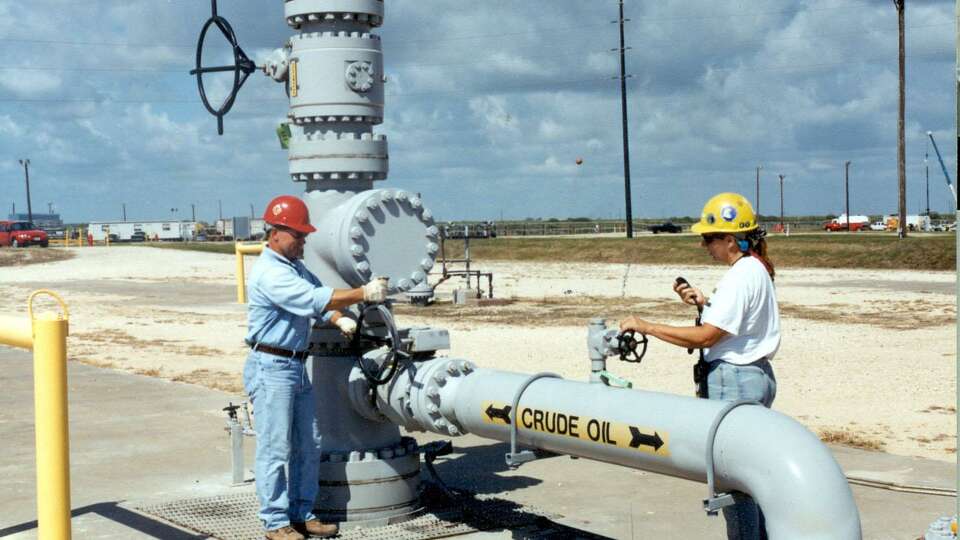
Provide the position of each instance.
(297, 235)
(707, 238)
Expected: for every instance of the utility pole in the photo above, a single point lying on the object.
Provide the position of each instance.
(956, 235)
(901, 144)
(846, 190)
(926, 168)
(193, 212)
(757, 199)
(219, 210)
(26, 174)
(626, 139)
(50, 208)
(782, 229)
(124, 205)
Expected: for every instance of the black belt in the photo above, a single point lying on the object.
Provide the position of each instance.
(299, 355)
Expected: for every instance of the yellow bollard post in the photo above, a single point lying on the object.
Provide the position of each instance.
(241, 277)
(50, 401)
(242, 249)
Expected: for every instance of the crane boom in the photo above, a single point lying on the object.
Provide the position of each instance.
(944, 167)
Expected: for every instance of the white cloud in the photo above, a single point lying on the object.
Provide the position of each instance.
(27, 83)
(9, 127)
(495, 98)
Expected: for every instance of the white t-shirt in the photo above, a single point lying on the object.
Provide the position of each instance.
(744, 304)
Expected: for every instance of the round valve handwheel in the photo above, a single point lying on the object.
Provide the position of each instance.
(242, 66)
(628, 342)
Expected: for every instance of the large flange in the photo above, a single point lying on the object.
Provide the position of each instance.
(370, 487)
(381, 232)
(301, 12)
(338, 156)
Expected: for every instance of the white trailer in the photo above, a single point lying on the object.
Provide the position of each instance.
(152, 230)
(240, 228)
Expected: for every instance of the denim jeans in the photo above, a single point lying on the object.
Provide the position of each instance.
(730, 382)
(288, 452)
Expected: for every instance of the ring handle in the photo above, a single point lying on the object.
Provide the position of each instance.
(63, 305)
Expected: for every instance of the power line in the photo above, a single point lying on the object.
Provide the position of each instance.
(460, 64)
(536, 31)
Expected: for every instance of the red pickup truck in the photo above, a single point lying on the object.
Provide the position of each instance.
(22, 234)
(835, 226)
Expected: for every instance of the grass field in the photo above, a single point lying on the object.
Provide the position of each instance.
(857, 250)
(873, 251)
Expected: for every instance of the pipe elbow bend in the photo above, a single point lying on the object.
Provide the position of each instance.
(789, 472)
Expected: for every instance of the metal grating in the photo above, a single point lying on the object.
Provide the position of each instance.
(234, 517)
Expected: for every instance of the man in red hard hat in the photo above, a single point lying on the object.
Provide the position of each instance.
(283, 298)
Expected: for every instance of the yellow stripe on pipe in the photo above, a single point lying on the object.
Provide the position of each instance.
(16, 332)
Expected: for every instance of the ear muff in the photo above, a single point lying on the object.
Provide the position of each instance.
(744, 245)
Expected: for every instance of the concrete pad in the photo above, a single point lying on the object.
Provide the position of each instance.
(138, 440)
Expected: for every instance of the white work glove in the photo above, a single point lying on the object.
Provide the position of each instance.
(375, 291)
(347, 326)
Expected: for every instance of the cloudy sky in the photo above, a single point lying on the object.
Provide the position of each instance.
(489, 105)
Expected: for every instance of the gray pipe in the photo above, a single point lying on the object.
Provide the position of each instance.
(761, 452)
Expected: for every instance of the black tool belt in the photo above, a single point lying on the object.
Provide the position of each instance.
(298, 355)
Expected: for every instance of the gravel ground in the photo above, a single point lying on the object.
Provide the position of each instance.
(867, 356)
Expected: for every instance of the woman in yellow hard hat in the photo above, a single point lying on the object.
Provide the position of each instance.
(740, 325)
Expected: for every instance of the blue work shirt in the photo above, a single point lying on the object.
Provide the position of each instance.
(283, 296)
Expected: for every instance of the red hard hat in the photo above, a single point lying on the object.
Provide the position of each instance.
(289, 211)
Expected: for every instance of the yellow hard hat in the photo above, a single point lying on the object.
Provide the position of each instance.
(726, 213)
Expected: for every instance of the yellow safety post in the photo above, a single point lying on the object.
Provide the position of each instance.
(241, 249)
(16, 332)
(46, 335)
(50, 401)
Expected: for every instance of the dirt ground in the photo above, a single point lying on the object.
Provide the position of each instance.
(867, 357)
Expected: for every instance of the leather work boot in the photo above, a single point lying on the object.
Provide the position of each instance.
(283, 533)
(316, 528)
